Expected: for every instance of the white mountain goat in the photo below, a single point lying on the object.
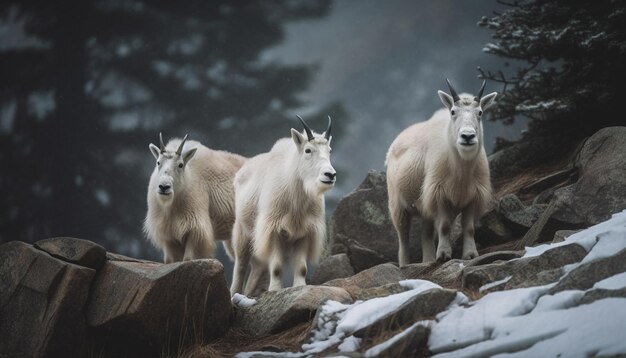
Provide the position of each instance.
(279, 198)
(438, 169)
(190, 202)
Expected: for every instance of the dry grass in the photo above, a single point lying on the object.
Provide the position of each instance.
(236, 340)
(525, 179)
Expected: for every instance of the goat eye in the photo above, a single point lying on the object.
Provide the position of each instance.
(158, 163)
(452, 112)
(307, 150)
(480, 113)
(180, 165)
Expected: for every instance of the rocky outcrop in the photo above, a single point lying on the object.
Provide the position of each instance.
(143, 307)
(42, 300)
(332, 267)
(361, 226)
(279, 310)
(68, 297)
(597, 193)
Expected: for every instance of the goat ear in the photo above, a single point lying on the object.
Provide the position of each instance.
(155, 151)
(297, 137)
(446, 99)
(487, 100)
(188, 155)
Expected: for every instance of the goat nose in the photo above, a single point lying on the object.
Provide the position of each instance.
(330, 175)
(468, 137)
(164, 187)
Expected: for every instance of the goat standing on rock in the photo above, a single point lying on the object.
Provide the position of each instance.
(190, 203)
(279, 199)
(439, 169)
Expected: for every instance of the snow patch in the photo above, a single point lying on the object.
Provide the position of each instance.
(494, 284)
(614, 282)
(240, 300)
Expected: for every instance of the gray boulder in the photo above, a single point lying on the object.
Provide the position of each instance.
(361, 226)
(140, 307)
(77, 251)
(597, 193)
(332, 267)
(276, 311)
(373, 277)
(525, 272)
(42, 300)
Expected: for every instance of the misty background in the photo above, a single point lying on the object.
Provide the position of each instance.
(87, 85)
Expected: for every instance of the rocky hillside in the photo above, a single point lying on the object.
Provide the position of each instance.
(541, 286)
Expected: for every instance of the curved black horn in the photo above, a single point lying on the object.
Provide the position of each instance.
(455, 97)
(161, 142)
(309, 134)
(182, 143)
(480, 93)
(327, 134)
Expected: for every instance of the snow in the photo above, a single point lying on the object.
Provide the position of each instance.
(614, 282)
(523, 322)
(460, 327)
(530, 322)
(350, 344)
(494, 284)
(243, 301)
(588, 238)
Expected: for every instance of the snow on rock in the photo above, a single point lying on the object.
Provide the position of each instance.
(379, 348)
(530, 322)
(494, 284)
(614, 282)
(243, 301)
(588, 238)
(350, 344)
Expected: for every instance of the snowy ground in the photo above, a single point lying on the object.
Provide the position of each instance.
(525, 322)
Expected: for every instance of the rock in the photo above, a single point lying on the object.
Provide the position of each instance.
(521, 156)
(332, 267)
(412, 342)
(77, 251)
(519, 218)
(447, 275)
(381, 291)
(146, 308)
(597, 193)
(363, 217)
(42, 300)
(490, 229)
(561, 235)
(495, 256)
(276, 311)
(586, 275)
(525, 272)
(373, 277)
(600, 294)
(424, 306)
(362, 258)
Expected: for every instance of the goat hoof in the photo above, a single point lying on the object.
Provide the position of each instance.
(443, 257)
(470, 255)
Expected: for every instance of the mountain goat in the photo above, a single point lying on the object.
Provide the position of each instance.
(190, 202)
(438, 168)
(279, 198)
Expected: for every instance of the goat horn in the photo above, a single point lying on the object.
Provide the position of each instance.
(161, 142)
(182, 143)
(480, 93)
(327, 135)
(309, 134)
(455, 97)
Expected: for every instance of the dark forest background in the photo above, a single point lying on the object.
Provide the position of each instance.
(86, 85)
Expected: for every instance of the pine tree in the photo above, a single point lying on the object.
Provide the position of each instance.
(571, 55)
